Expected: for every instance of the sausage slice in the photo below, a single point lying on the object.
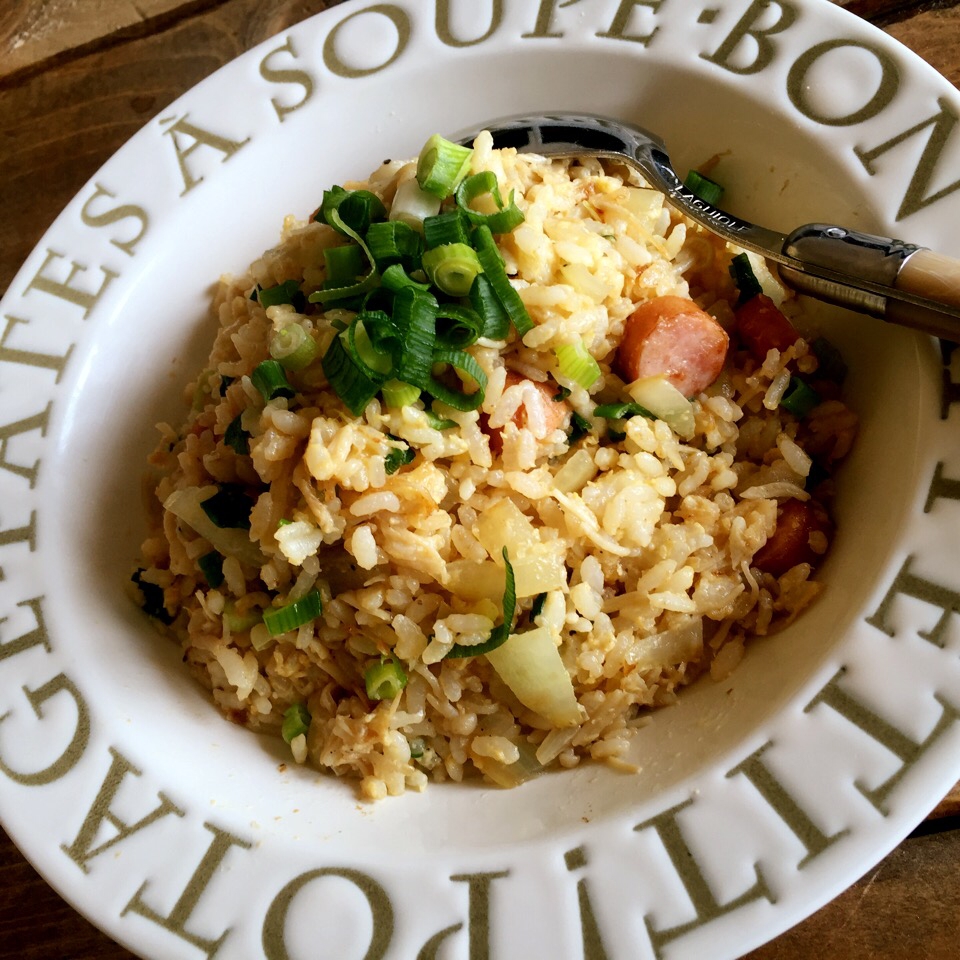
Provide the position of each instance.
(790, 542)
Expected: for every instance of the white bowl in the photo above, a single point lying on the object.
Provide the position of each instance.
(761, 797)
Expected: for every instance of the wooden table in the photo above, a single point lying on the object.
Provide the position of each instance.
(76, 80)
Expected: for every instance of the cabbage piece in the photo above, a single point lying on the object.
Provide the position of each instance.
(665, 402)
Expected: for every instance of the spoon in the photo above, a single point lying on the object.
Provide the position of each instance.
(895, 281)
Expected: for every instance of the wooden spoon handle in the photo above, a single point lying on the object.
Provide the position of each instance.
(932, 276)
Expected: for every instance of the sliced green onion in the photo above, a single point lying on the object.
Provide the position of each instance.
(354, 387)
(384, 680)
(364, 353)
(395, 278)
(498, 636)
(484, 300)
(224, 383)
(452, 267)
(493, 267)
(286, 292)
(800, 398)
(579, 428)
(284, 619)
(457, 399)
(354, 209)
(270, 379)
(296, 722)
(397, 394)
(830, 362)
(293, 347)
(415, 316)
(393, 241)
(211, 566)
(236, 437)
(621, 411)
(152, 594)
(538, 601)
(417, 746)
(412, 205)
(577, 364)
(362, 285)
(458, 326)
(703, 187)
(744, 278)
(562, 394)
(229, 507)
(480, 184)
(449, 227)
(343, 265)
(439, 423)
(441, 166)
(398, 457)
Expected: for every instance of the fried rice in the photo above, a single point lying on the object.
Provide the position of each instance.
(630, 546)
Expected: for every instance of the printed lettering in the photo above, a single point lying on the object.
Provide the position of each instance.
(187, 137)
(733, 54)
(950, 390)
(31, 358)
(909, 584)
(797, 85)
(916, 198)
(396, 15)
(39, 422)
(941, 487)
(430, 948)
(176, 921)
(74, 749)
(618, 28)
(593, 948)
(807, 832)
(27, 534)
(900, 745)
(38, 637)
(126, 211)
(705, 904)
(543, 26)
(445, 32)
(64, 289)
(82, 850)
(276, 75)
(478, 910)
(381, 912)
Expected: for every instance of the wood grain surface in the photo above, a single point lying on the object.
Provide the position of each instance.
(77, 79)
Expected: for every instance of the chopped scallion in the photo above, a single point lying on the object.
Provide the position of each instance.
(293, 347)
(441, 166)
(152, 595)
(449, 227)
(504, 219)
(283, 619)
(457, 399)
(703, 187)
(343, 265)
(347, 380)
(492, 264)
(458, 326)
(439, 423)
(621, 411)
(576, 363)
(452, 267)
(270, 379)
(286, 292)
(211, 566)
(397, 394)
(296, 722)
(236, 437)
(744, 278)
(385, 679)
(412, 205)
(398, 457)
(579, 428)
(395, 278)
(800, 398)
(229, 507)
(498, 636)
(393, 242)
(484, 300)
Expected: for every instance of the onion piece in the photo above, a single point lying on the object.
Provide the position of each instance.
(230, 541)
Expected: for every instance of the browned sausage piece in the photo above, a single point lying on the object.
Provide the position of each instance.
(674, 338)
(790, 541)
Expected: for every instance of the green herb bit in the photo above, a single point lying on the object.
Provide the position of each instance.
(417, 747)
(229, 507)
(286, 292)
(211, 566)
(398, 457)
(441, 166)
(439, 423)
(744, 278)
(296, 722)
(703, 187)
(576, 363)
(579, 428)
(152, 594)
(280, 620)
(384, 680)
(236, 437)
(561, 394)
(622, 411)
(538, 601)
(270, 379)
(800, 398)
(499, 634)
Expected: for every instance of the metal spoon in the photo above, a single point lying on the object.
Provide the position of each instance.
(899, 282)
